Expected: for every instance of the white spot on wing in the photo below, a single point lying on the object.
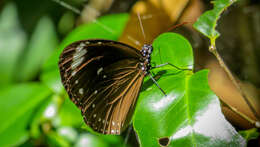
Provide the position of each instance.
(104, 76)
(95, 92)
(77, 62)
(94, 115)
(112, 131)
(81, 91)
(113, 123)
(73, 73)
(99, 119)
(79, 54)
(76, 82)
(99, 70)
(80, 46)
(99, 42)
(93, 105)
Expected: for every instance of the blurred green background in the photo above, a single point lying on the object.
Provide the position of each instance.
(35, 111)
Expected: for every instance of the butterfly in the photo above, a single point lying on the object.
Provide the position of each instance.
(104, 78)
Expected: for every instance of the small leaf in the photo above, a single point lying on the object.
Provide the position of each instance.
(190, 114)
(16, 106)
(12, 43)
(42, 44)
(179, 53)
(250, 134)
(107, 27)
(207, 22)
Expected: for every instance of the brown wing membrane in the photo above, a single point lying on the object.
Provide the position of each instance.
(103, 79)
(109, 108)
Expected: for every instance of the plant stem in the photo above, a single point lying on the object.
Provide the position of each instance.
(253, 122)
(213, 50)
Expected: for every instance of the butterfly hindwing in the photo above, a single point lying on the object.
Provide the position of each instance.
(103, 79)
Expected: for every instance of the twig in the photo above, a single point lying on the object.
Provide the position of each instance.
(69, 7)
(213, 50)
(253, 122)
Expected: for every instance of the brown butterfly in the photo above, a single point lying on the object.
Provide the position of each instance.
(103, 78)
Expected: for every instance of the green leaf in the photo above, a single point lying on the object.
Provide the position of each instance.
(12, 43)
(70, 115)
(91, 141)
(54, 139)
(112, 140)
(16, 133)
(42, 44)
(250, 134)
(190, 114)
(107, 27)
(207, 22)
(17, 103)
(165, 53)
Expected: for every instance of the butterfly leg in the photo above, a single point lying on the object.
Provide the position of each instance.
(156, 84)
(161, 65)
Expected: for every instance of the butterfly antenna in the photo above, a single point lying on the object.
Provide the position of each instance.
(177, 25)
(67, 6)
(157, 84)
(141, 25)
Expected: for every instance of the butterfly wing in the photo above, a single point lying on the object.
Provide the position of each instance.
(103, 79)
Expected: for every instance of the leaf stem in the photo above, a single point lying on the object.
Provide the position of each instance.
(214, 51)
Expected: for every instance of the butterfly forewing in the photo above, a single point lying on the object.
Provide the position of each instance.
(103, 79)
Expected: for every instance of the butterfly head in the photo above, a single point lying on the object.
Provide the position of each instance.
(146, 53)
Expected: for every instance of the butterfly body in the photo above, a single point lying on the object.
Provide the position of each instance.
(103, 78)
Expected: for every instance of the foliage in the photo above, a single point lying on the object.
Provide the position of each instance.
(189, 111)
(207, 22)
(250, 134)
(41, 111)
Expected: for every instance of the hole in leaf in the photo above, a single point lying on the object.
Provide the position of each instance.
(164, 141)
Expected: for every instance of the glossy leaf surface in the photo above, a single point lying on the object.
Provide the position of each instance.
(190, 114)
